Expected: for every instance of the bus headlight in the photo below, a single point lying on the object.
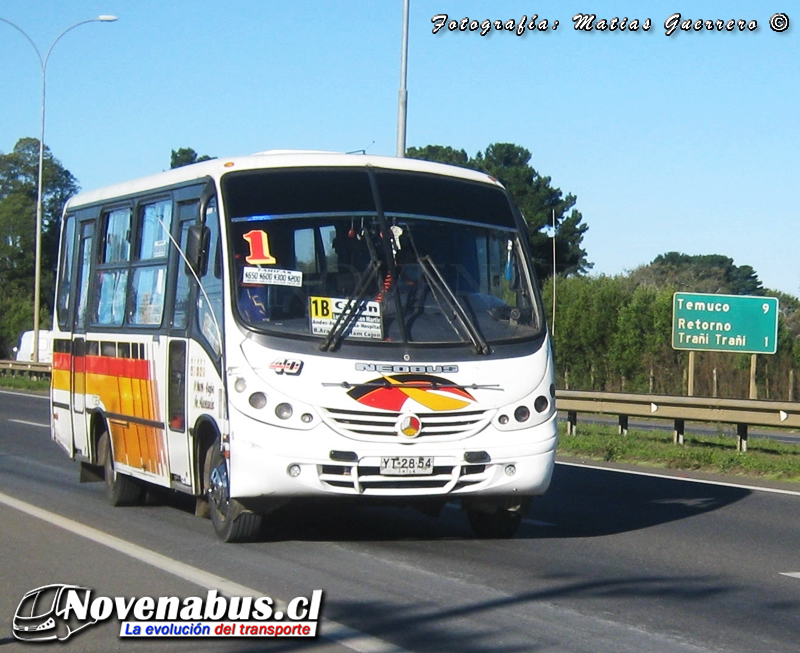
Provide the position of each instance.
(521, 414)
(258, 400)
(284, 411)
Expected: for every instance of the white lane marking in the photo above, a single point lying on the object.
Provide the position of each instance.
(25, 394)
(341, 634)
(791, 574)
(670, 477)
(26, 423)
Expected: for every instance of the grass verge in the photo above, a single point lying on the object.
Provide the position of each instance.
(24, 383)
(764, 458)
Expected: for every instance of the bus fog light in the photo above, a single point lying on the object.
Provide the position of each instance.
(541, 404)
(306, 418)
(522, 413)
(283, 411)
(240, 385)
(293, 470)
(258, 400)
(511, 470)
(503, 419)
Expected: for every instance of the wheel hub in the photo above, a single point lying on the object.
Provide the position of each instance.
(219, 492)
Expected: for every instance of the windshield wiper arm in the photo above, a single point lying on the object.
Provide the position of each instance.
(440, 287)
(354, 306)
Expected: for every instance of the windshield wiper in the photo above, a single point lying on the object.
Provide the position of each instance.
(355, 304)
(443, 290)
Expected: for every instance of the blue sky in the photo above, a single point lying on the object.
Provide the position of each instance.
(688, 142)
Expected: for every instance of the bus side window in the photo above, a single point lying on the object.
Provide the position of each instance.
(112, 272)
(85, 263)
(148, 284)
(209, 303)
(176, 389)
(187, 216)
(65, 273)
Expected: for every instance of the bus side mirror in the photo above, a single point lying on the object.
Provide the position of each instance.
(197, 248)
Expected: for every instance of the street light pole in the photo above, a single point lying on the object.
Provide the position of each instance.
(402, 102)
(37, 284)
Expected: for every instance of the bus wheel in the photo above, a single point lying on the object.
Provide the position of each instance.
(501, 524)
(121, 489)
(232, 521)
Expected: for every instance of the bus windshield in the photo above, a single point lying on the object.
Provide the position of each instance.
(356, 254)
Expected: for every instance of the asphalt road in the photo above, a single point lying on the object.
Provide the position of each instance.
(606, 562)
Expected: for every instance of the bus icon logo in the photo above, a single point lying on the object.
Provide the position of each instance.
(43, 614)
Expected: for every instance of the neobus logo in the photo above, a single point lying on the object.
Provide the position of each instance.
(383, 368)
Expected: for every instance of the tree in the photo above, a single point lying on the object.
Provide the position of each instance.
(185, 156)
(540, 203)
(440, 154)
(705, 273)
(19, 171)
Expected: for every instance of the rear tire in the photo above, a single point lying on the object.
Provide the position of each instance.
(232, 521)
(121, 489)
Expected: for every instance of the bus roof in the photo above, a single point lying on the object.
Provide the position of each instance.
(215, 168)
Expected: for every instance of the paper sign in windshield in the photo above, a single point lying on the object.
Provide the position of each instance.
(325, 311)
(272, 277)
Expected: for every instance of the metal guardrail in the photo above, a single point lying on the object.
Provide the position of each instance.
(742, 412)
(23, 368)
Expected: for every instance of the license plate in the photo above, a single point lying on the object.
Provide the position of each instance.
(407, 465)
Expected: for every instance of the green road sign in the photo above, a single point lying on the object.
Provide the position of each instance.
(735, 323)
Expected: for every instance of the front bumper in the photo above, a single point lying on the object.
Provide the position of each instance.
(282, 463)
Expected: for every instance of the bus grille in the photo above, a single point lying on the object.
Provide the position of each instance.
(379, 426)
(366, 479)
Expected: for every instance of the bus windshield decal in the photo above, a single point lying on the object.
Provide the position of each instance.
(324, 313)
(272, 277)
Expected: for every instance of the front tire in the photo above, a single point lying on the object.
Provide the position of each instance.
(502, 524)
(497, 518)
(232, 521)
(121, 490)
